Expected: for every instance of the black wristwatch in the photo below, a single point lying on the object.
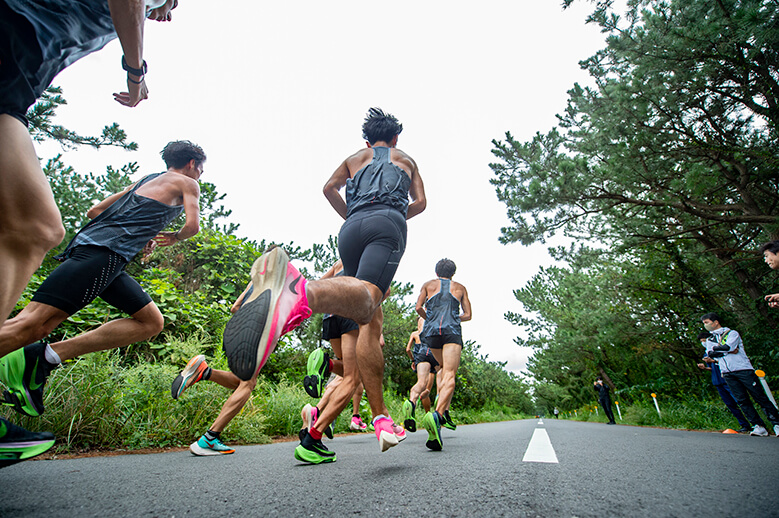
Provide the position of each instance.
(135, 71)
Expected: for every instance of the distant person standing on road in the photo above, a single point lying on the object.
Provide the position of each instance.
(556, 412)
(604, 399)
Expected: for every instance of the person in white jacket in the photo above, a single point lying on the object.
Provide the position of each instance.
(726, 346)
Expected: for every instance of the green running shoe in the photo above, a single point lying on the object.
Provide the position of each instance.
(409, 421)
(431, 422)
(318, 371)
(313, 452)
(448, 423)
(24, 372)
(17, 444)
(205, 447)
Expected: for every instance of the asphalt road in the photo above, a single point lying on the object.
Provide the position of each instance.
(600, 471)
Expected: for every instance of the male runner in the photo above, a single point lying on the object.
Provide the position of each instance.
(38, 39)
(93, 266)
(425, 365)
(439, 304)
(379, 181)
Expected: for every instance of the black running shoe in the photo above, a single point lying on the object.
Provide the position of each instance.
(409, 421)
(317, 373)
(17, 444)
(448, 423)
(24, 372)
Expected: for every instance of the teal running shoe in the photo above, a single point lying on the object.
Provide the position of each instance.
(17, 444)
(409, 421)
(205, 447)
(24, 372)
(317, 373)
(312, 451)
(432, 424)
(448, 423)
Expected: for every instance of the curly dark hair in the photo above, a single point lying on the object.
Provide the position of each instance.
(445, 268)
(178, 153)
(380, 126)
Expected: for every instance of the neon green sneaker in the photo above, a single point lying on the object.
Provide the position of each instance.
(409, 421)
(317, 372)
(17, 444)
(24, 372)
(448, 423)
(432, 424)
(313, 452)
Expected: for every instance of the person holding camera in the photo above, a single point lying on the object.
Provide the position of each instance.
(726, 346)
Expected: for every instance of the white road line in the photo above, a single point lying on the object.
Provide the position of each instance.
(540, 448)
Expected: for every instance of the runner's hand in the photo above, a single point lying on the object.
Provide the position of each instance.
(166, 238)
(135, 93)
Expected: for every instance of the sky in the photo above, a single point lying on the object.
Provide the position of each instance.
(276, 93)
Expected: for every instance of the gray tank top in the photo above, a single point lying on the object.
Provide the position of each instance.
(379, 183)
(127, 224)
(443, 312)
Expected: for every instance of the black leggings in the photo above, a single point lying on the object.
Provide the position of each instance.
(743, 384)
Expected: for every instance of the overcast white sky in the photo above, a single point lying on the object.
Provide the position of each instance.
(276, 92)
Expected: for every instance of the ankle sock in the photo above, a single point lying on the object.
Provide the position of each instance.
(315, 434)
(207, 373)
(211, 435)
(51, 356)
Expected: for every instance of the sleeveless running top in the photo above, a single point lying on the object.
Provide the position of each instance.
(127, 224)
(443, 312)
(379, 183)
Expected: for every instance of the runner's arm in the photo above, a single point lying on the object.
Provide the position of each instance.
(417, 194)
(98, 208)
(465, 304)
(128, 17)
(191, 194)
(333, 187)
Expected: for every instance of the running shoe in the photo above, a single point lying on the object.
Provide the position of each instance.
(432, 424)
(196, 370)
(205, 446)
(329, 431)
(399, 432)
(317, 372)
(277, 305)
(312, 451)
(384, 433)
(357, 425)
(24, 372)
(409, 421)
(759, 431)
(448, 423)
(17, 444)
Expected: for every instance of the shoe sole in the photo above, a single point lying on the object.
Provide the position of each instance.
(249, 330)
(21, 403)
(17, 451)
(204, 452)
(181, 383)
(304, 455)
(387, 440)
(434, 437)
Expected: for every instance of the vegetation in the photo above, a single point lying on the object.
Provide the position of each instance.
(664, 172)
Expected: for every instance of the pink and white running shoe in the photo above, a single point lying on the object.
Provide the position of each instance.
(357, 425)
(384, 433)
(309, 414)
(277, 305)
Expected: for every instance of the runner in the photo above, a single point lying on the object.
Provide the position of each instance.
(439, 304)
(93, 266)
(425, 365)
(38, 39)
(379, 181)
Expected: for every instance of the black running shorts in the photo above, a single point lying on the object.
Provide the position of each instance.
(335, 327)
(422, 354)
(91, 272)
(438, 341)
(371, 244)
